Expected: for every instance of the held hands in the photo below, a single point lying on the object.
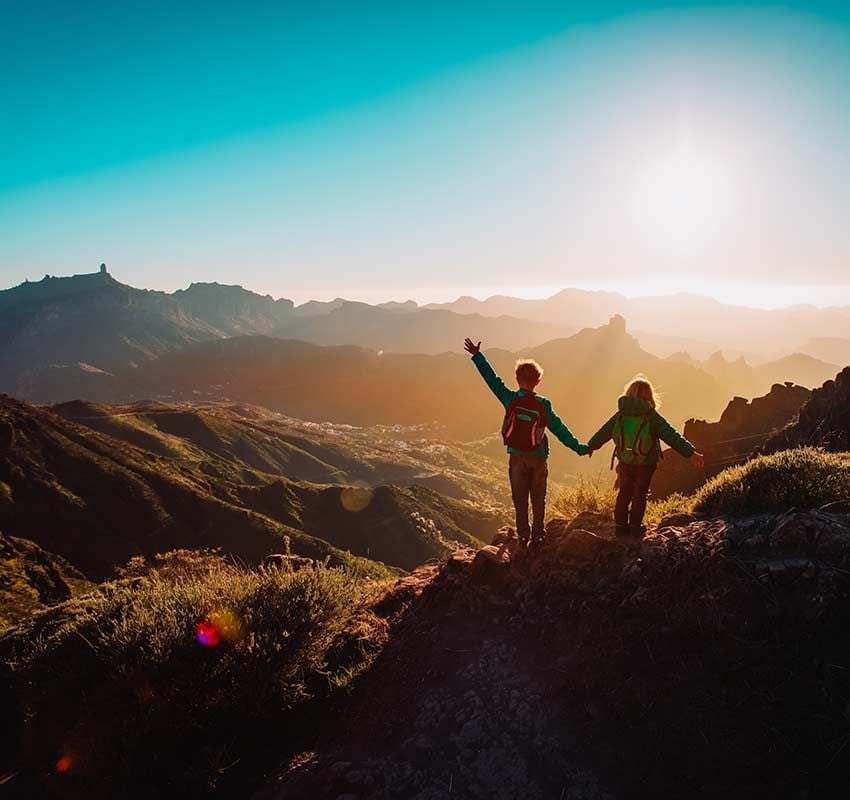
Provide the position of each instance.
(698, 460)
(471, 347)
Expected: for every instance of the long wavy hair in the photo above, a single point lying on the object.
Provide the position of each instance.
(640, 386)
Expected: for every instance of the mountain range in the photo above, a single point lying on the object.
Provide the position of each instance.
(361, 387)
(765, 333)
(94, 323)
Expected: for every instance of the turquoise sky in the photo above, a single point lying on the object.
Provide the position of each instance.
(385, 150)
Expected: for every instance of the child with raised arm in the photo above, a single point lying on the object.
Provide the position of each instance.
(527, 416)
(638, 430)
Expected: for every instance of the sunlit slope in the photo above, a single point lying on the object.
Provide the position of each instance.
(235, 441)
(97, 501)
(32, 578)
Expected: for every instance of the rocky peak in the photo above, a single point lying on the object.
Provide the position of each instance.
(617, 325)
(823, 421)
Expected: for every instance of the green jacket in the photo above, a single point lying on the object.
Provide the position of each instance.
(662, 430)
(506, 395)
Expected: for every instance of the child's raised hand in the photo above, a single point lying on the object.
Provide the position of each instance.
(471, 347)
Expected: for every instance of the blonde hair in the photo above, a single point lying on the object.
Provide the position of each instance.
(528, 370)
(640, 387)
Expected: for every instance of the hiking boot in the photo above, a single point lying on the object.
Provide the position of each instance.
(637, 532)
(537, 542)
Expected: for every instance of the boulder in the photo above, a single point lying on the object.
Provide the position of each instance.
(581, 545)
(679, 520)
(601, 524)
(825, 534)
(490, 564)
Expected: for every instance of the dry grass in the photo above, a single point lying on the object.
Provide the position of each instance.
(132, 649)
(596, 494)
(803, 478)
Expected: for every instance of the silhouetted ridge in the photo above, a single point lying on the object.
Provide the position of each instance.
(823, 421)
(743, 427)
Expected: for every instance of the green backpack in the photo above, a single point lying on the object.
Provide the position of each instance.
(634, 442)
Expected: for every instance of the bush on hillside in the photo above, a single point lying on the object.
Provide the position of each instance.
(805, 478)
(176, 662)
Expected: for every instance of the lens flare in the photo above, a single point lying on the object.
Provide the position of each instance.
(228, 624)
(64, 764)
(207, 634)
(355, 498)
(221, 625)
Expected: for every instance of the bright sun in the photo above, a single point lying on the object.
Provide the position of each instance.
(684, 199)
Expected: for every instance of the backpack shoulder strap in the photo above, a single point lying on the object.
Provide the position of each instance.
(618, 445)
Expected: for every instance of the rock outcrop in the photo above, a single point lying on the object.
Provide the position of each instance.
(823, 421)
(743, 427)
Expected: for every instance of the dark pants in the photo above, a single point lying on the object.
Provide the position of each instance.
(528, 476)
(634, 480)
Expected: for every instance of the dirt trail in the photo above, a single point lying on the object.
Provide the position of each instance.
(462, 704)
(716, 664)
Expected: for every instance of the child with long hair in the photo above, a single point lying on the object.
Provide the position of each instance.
(638, 430)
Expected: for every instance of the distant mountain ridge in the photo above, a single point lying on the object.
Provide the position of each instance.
(585, 374)
(689, 316)
(97, 321)
(62, 338)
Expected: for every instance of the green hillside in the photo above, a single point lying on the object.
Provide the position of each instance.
(98, 501)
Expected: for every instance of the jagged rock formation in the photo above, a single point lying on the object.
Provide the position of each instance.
(823, 421)
(742, 428)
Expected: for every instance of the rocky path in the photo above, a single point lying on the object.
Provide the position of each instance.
(713, 665)
(460, 705)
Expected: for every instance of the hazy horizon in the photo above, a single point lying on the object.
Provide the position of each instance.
(773, 297)
(698, 144)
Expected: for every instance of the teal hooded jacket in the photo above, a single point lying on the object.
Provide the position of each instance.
(662, 430)
(506, 396)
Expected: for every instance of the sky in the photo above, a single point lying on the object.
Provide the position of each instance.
(390, 150)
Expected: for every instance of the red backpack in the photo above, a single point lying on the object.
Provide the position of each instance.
(525, 422)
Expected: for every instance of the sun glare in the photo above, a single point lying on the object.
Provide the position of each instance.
(684, 199)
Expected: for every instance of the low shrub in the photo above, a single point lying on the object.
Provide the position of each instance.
(804, 478)
(146, 676)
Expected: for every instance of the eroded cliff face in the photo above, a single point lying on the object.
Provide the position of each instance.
(823, 421)
(744, 427)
